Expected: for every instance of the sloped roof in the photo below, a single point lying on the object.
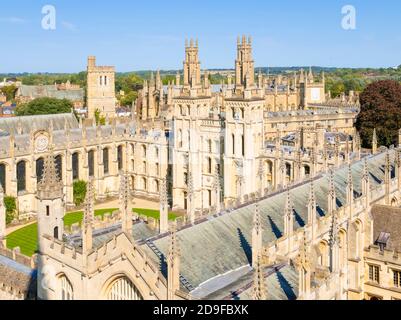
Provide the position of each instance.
(51, 92)
(388, 220)
(223, 243)
(38, 122)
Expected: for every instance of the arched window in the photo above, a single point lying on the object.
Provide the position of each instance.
(157, 188)
(91, 163)
(75, 166)
(157, 168)
(39, 169)
(144, 167)
(144, 151)
(209, 146)
(288, 170)
(55, 233)
(120, 157)
(21, 176)
(209, 197)
(59, 166)
(209, 165)
(133, 165)
(307, 171)
(123, 289)
(156, 152)
(233, 143)
(144, 184)
(3, 177)
(105, 80)
(66, 291)
(105, 160)
(101, 80)
(324, 254)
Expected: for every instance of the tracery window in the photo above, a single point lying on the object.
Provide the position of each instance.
(124, 289)
(120, 157)
(3, 177)
(21, 176)
(39, 169)
(75, 166)
(67, 292)
(91, 163)
(105, 160)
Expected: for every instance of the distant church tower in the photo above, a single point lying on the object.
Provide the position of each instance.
(51, 205)
(192, 72)
(101, 93)
(244, 64)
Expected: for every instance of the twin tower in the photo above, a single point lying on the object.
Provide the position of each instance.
(244, 64)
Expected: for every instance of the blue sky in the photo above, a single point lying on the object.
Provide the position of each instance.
(138, 35)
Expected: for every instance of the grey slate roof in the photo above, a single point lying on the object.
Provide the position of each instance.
(387, 220)
(18, 276)
(37, 122)
(223, 243)
(51, 92)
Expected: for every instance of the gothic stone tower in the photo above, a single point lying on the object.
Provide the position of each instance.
(51, 205)
(192, 72)
(100, 89)
(244, 64)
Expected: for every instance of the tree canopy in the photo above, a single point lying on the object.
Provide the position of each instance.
(44, 106)
(9, 92)
(380, 109)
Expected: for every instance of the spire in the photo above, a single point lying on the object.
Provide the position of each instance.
(331, 202)
(89, 215)
(217, 188)
(304, 267)
(374, 142)
(312, 210)
(163, 207)
(288, 215)
(366, 183)
(50, 187)
(350, 187)
(387, 178)
(259, 285)
(311, 78)
(257, 240)
(125, 200)
(191, 209)
(173, 264)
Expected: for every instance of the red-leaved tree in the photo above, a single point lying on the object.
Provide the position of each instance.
(380, 109)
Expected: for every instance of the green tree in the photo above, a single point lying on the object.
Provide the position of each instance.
(127, 99)
(45, 106)
(11, 208)
(9, 92)
(79, 192)
(380, 109)
(100, 120)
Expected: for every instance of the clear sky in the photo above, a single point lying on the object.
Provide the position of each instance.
(139, 35)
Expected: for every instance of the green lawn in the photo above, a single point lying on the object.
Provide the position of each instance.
(27, 238)
(154, 213)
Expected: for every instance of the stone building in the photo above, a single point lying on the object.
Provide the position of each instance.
(227, 136)
(280, 201)
(101, 93)
(74, 93)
